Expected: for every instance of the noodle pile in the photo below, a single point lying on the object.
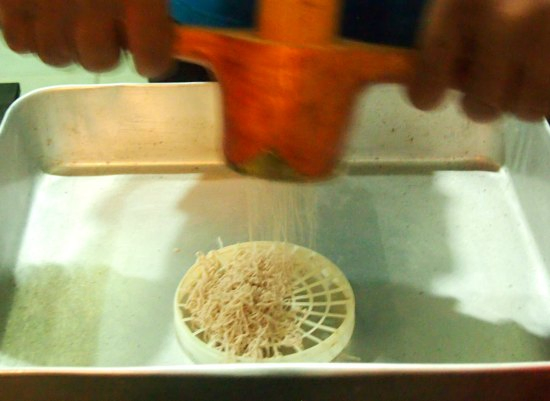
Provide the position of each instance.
(243, 306)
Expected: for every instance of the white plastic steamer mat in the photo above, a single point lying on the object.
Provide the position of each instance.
(320, 293)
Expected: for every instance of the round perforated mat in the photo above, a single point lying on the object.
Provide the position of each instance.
(321, 296)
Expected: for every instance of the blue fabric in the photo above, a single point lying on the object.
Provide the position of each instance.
(215, 13)
(390, 22)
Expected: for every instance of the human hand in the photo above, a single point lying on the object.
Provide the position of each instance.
(91, 33)
(497, 52)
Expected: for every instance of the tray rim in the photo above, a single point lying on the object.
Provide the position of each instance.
(294, 369)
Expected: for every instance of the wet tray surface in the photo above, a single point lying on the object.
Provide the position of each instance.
(444, 268)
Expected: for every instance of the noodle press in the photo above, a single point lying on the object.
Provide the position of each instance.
(289, 86)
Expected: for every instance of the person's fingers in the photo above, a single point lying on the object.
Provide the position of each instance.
(532, 100)
(18, 34)
(95, 34)
(149, 35)
(51, 34)
(439, 46)
(493, 65)
(478, 110)
(17, 27)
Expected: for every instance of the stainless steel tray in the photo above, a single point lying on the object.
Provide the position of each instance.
(107, 192)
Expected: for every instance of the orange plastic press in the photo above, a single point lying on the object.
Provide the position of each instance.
(289, 85)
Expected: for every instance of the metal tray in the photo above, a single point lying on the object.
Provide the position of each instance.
(107, 192)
